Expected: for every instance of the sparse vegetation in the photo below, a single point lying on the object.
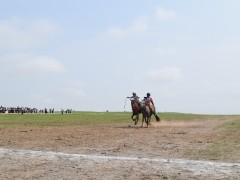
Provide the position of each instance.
(81, 118)
(226, 143)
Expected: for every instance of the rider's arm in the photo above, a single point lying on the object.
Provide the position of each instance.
(151, 101)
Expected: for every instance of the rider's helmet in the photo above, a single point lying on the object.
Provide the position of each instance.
(148, 94)
(134, 94)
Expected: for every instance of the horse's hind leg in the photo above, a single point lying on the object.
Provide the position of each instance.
(135, 123)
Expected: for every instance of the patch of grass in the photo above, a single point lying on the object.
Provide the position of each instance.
(226, 151)
(226, 146)
(232, 126)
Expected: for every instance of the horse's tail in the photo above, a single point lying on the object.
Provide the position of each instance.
(157, 118)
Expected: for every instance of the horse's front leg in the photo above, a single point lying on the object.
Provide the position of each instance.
(137, 118)
(147, 121)
(133, 117)
(143, 118)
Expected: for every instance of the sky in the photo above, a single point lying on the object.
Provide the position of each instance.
(90, 55)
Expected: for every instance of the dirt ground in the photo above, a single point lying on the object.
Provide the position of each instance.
(165, 150)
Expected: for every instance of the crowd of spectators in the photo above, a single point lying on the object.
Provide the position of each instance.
(22, 110)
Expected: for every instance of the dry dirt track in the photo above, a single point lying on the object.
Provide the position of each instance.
(163, 151)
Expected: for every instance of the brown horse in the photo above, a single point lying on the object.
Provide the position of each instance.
(135, 111)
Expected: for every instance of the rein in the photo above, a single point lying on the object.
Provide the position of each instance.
(125, 104)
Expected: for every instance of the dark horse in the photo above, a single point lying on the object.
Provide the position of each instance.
(136, 110)
(147, 114)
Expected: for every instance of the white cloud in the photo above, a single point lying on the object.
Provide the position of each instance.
(161, 50)
(166, 74)
(138, 27)
(164, 14)
(116, 32)
(73, 92)
(233, 85)
(42, 27)
(23, 65)
(43, 65)
(16, 34)
(13, 57)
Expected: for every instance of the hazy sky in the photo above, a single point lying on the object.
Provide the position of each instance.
(91, 55)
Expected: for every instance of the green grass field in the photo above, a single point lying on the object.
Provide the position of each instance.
(77, 118)
(86, 118)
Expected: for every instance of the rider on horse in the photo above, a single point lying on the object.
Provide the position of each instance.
(135, 98)
(150, 104)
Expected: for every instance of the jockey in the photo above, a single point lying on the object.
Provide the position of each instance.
(150, 103)
(135, 98)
